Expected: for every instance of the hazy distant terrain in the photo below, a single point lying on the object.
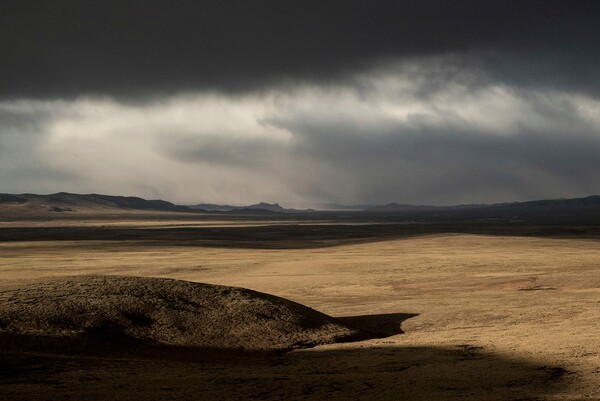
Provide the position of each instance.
(68, 202)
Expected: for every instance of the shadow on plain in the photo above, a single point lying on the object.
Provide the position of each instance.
(346, 372)
(382, 325)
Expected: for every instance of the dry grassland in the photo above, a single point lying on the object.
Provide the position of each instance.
(484, 318)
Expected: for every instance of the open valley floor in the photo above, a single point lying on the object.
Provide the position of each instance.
(465, 317)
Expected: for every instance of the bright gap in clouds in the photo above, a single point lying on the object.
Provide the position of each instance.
(390, 135)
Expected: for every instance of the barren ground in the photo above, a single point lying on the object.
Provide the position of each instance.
(484, 318)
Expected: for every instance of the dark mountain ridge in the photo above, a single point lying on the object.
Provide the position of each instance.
(592, 201)
(261, 207)
(64, 201)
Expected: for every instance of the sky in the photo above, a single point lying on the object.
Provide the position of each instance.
(301, 102)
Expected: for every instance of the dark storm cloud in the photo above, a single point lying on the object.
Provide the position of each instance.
(497, 144)
(22, 129)
(132, 48)
(435, 165)
(20, 121)
(379, 143)
(220, 150)
(301, 102)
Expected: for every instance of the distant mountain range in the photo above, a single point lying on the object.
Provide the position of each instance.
(589, 201)
(66, 202)
(593, 200)
(262, 206)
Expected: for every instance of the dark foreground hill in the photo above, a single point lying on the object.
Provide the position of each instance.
(163, 312)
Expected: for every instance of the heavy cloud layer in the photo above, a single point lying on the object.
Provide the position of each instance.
(139, 48)
(378, 139)
(302, 103)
